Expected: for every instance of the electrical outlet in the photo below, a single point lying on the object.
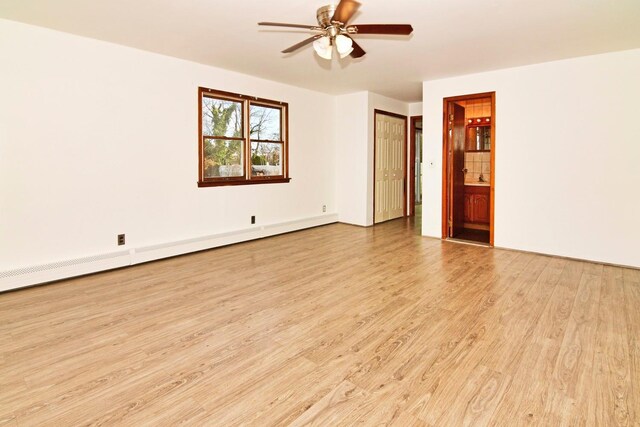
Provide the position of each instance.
(324, 208)
(121, 239)
(253, 219)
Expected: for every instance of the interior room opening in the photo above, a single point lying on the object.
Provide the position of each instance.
(468, 175)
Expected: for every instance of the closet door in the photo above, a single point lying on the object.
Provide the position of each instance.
(389, 167)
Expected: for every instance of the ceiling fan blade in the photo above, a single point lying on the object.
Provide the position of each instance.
(358, 52)
(279, 24)
(393, 29)
(345, 10)
(302, 43)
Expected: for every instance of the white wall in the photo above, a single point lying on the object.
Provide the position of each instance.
(355, 123)
(567, 154)
(98, 139)
(352, 152)
(415, 109)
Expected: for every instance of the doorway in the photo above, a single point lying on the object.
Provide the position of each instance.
(389, 173)
(469, 168)
(415, 166)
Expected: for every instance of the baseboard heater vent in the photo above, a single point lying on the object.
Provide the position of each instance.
(48, 272)
(61, 264)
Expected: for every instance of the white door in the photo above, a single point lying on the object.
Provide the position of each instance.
(390, 181)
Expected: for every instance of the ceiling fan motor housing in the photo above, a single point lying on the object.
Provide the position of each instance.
(325, 14)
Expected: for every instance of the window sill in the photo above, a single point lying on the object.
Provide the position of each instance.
(254, 181)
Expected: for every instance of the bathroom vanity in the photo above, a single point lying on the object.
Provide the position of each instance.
(476, 203)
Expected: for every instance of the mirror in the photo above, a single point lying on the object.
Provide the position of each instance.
(478, 138)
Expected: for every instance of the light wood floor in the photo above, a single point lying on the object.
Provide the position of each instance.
(336, 325)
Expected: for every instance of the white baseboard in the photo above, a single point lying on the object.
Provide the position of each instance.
(38, 274)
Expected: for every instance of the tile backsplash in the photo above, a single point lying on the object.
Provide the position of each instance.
(476, 164)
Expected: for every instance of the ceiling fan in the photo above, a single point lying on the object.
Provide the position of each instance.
(333, 31)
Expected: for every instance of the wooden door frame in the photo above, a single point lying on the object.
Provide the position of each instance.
(412, 165)
(404, 158)
(445, 160)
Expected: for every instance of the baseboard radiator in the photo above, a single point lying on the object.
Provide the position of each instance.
(38, 274)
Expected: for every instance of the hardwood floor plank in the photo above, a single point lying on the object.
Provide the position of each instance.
(330, 339)
(333, 408)
(519, 319)
(169, 412)
(398, 347)
(611, 390)
(560, 305)
(631, 286)
(529, 390)
(274, 388)
(306, 392)
(575, 360)
(477, 400)
(459, 355)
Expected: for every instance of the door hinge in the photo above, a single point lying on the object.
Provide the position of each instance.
(451, 117)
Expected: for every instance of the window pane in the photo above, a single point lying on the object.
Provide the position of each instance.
(223, 158)
(266, 158)
(221, 117)
(265, 123)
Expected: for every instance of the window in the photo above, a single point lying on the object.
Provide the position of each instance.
(243, 140)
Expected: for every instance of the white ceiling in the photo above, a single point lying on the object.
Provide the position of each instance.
(451, 37)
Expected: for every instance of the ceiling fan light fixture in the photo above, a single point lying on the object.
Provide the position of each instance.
(323, 47)
(344, 45)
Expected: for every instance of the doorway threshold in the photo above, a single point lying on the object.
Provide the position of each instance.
(467, 242)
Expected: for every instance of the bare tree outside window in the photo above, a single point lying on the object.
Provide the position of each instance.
(222, 119)
(265, 124)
